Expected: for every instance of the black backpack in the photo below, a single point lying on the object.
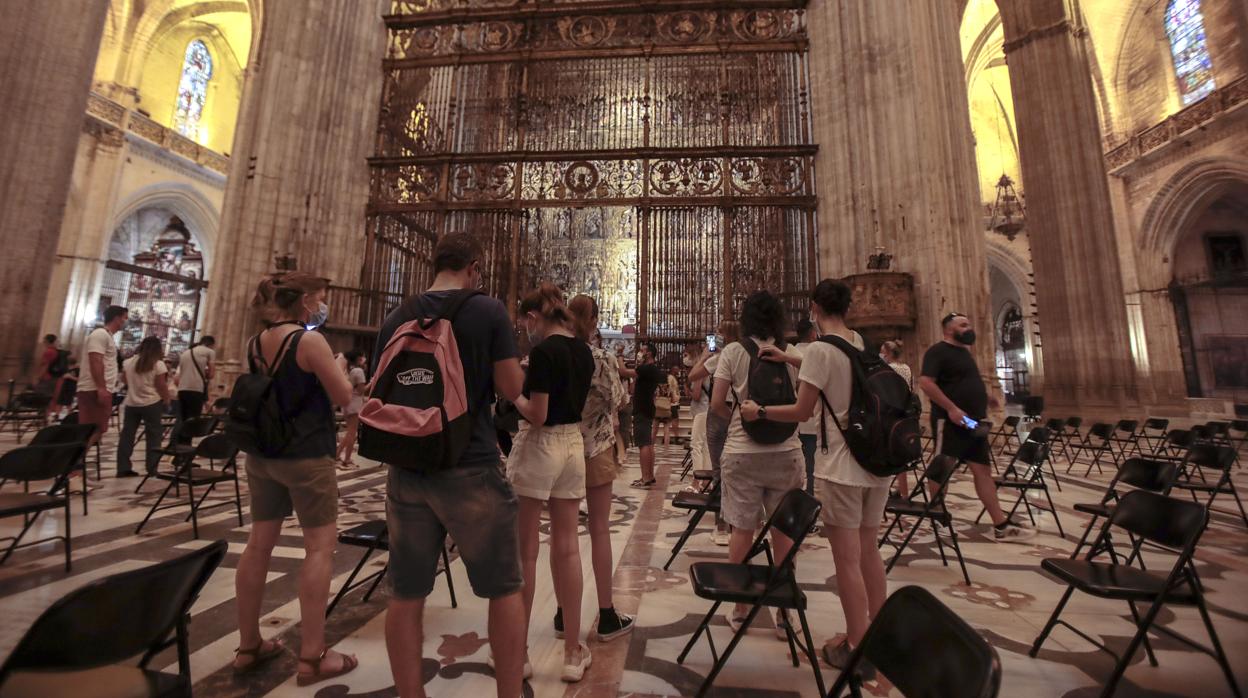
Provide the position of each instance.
(254, 419)
(768, 384)
(882, 428)
(60, 365)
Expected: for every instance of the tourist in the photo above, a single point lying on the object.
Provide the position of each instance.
(646, 380)
(606, 394)
(666, 406)
(42, 380)
(67, 387)
(716, 423)
(308, 383)
(98, 382)
(808, 430)
(853, 499)
(472, 503)
(147, 399)
(699, 404)
(547, 463)
(755, 476)
(196, 366)
(355, 361)
(891, 352)
(952, 381)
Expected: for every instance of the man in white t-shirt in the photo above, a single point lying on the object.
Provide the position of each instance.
(754, 476)
(196, 366)
(853, 499)
(98, 380)
(808, 431)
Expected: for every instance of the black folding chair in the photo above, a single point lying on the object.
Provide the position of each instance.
(373, 537)
(1124, 441)
(698, 504)
(686, 465)
(86, 637)
(1175, 445)
(1165, 523)
(1215, 457)
(1097, 442)
(773, 585)
(925, 508)
(1008, 430)
(1031, 455)
(181, 453)
(29, 464)
(924, 649)
(26, 411)
(1033, 408)
(1237, 434)
(217, 448)
(1152, 433)
(1139, 473)
(73, 418)
(70, 434)
(1057, 442)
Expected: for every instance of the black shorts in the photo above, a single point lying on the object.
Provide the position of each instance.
(643, 430)
(959, 442)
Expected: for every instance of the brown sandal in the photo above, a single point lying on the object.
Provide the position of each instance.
(303, 678)
(258, 656)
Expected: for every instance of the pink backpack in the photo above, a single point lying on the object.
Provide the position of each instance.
(416, 415)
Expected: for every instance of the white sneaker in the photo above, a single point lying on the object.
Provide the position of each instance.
(528, 668)
(1012, 533)
(721, 538)
(575, 672)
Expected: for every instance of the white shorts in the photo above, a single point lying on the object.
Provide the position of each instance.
(547, 462)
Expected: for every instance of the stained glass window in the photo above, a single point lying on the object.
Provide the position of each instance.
(1185, 26)
(193, 89)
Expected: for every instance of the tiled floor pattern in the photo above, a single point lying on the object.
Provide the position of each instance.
(1008, 601)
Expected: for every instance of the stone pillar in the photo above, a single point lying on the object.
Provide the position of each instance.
(1069, 216)
(47, 52)
(896, 165)
(299, 178)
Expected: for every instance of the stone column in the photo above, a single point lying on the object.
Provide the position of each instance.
(896, 165)
(47, 52)
(1069, 216)
(299, 178)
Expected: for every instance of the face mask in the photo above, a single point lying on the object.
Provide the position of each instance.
(967, 337)
(318, 318)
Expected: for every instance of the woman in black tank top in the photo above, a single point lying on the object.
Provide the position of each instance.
(301, 478)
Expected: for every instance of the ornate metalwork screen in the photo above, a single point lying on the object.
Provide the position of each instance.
(654, 155)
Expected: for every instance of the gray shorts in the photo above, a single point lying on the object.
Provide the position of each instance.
(476, 506)
(754, 483)
(848, 506)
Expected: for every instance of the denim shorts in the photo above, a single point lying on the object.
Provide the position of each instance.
(476, 506)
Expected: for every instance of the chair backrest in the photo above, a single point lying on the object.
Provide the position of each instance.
(63, 434)
(1217, 428)
(1074, 422)
(216, 447)
(1101, 430)
(1145, 474)
(1200, 432)
(1033, 405)
(1173, 523)
(42, 462)
(31, 401)
(1179, 438)
(1156, 424)
(1039, 435)
(1032, 453)
(925, 649)
(1054, 425)
(795, 515)
(1240, 425)
(199, 427)
(1208, 455)
(1011, 421)
(116, 618)
(1127, 425)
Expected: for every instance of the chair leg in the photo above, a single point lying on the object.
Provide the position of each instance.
(901, 548)
(732, 645)
(1053, 472)
(346, 586)
(706, 621)
(1219, 653)
(450, 582)
(693, 523)
(1084, 539)
(1053, 510)
(376, 582)
(1048, 627)
(84, 486)
(190, 493)
(957, 550)
(238, 500)
(151, 511)
(1148, 646)
(789, 636)
(142, 482)
(68, 545)
(810, 650)
(196, 505)
(18, 538)
(1132, 647)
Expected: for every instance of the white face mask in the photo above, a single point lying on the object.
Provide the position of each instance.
(320, 316)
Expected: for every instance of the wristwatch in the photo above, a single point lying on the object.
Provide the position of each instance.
(762, 413)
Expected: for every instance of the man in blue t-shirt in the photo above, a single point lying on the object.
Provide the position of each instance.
(473, 502)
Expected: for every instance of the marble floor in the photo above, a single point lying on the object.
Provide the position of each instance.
(1008, 601)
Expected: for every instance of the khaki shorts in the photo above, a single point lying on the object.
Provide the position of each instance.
(548, 462)
(753, 484)
(602, 469)
(306, 486)
(848, 506)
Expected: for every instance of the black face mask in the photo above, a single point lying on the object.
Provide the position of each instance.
(967, 337)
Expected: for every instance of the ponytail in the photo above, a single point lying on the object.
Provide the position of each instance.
(547, 301)
(279, 293)
(584, 317)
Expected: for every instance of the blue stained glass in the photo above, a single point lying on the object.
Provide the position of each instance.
(1185, 27)
(193, 89)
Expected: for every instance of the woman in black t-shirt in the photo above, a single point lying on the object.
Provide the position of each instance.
(547, 461)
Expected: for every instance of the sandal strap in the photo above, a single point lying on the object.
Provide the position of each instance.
(316, 660)
(255, 651)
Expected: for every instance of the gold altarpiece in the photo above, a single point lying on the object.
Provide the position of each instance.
(656, 155)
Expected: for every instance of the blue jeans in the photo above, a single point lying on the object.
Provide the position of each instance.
(131, 417)
(809, 443)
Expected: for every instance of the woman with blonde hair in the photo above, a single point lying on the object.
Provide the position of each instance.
(147, 398)
(547, 462)
(309, 382)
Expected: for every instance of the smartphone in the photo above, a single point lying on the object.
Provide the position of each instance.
(970, 423)
(712, 343)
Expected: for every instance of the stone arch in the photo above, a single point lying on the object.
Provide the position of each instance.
(199, 214)
(1187, 193)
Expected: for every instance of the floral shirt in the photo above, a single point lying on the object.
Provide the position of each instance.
(606, 396)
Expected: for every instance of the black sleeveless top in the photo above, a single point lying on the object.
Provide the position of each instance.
(306, 406)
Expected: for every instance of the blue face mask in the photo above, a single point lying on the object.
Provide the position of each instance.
(319, 317)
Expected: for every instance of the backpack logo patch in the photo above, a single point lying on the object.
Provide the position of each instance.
(415, 376)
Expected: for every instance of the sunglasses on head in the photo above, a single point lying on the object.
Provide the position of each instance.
(949, 318)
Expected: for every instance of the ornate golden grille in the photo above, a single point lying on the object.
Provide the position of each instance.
(658, 160)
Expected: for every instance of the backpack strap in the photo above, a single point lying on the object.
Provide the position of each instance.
(852, 352)
(450, 310)
(253, 353)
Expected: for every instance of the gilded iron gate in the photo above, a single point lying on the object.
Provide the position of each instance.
(655, 155)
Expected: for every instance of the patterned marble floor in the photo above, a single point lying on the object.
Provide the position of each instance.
(1008, 601)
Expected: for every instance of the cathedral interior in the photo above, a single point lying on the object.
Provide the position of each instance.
(1070, 175)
